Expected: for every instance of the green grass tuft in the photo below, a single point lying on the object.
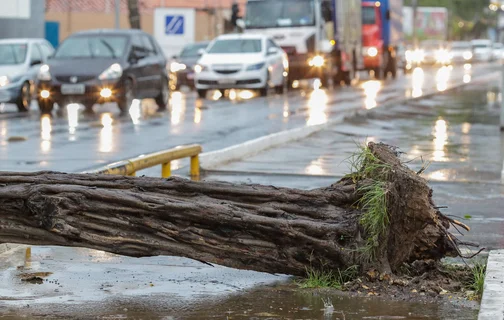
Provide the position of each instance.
(328, 279)
(375, 219)
(477, 281)
(364, 164)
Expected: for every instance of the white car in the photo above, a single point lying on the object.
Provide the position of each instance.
(498, 51)
(483, 50)
(242, 61)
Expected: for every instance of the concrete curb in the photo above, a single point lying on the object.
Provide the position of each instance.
(210, 160)
(492, 303)
(5, 247)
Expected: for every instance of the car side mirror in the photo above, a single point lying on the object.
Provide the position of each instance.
(201, 52)
(137, 55)
(272, 51)
(35, 62)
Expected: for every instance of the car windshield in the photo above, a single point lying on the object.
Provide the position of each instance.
(13, 53)
(96, 46)
(280, 13)
(192, 50)
(460, 46)
(481, 45)
(368, 15)
(236, 46)
(429, 45)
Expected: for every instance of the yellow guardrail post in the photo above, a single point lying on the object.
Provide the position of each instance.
(195, 174)
(163, 158)
(166, 170)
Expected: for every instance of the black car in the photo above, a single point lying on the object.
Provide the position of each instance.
(182, 67)
(104, 66)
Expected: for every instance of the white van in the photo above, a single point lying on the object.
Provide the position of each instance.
(483, 50)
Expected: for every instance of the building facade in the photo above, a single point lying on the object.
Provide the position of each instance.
(22, 19)
(212, 16)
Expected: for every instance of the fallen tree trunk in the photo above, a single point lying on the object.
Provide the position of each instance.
(255, 227)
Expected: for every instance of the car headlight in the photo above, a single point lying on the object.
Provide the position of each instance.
(176, 67)
(257, 66)
(317, 61)
(372, 51)
(468, 55)
(44, 74)
(200, 68)
(4, 80)
(113, 72)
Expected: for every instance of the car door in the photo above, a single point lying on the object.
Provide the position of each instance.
(138, 62)
(275, 62)
(153, 67)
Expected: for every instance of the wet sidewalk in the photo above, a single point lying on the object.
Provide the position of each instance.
(456, 134)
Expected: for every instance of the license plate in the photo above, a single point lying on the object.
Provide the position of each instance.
(190, 76)
(227, 81)
(73, 89)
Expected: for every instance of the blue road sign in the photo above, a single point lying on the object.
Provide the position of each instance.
(174, 25)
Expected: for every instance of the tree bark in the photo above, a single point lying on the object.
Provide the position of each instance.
(134, 14)
(263, 228)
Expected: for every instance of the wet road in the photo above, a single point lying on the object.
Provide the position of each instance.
(79, 283)
(73, 142)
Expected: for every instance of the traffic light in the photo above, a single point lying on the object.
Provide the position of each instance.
(235, 10)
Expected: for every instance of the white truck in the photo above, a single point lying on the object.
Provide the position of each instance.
(323, 38)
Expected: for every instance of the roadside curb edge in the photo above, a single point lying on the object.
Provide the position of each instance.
(492, 302)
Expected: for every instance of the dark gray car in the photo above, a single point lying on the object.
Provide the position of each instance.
(182, 66)
(20, 60)
(100, 66)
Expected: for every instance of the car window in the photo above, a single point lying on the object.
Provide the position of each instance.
(192, 50)
(35, 53)
(92, 46)
(236, 46)
(149, 47)
(13, 53)
(46, 50)
(271, 44)
(137, 43)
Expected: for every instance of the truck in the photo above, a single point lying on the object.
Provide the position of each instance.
(322, 38)
(382, 35)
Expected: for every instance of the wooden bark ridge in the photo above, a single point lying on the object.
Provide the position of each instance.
(381, 216)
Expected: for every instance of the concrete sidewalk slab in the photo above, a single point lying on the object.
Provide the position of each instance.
(492, 303)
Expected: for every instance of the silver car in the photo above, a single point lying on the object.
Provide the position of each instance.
(20, 61)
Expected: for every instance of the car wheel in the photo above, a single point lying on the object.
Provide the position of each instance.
(202, 93)
(25, 97)
(263, 92)
(88, 108)
(128, 96)
(281, 88)
(45, 106)
(164, 95)
(347, 78)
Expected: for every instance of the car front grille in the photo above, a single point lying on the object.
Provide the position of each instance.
(208, 82)
(78, 79)
(249, 81)
(226, 71)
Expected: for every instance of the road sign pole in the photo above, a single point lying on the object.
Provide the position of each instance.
(117, 14)
(502, 100)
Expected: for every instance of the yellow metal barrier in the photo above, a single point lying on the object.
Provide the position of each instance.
(163, 158)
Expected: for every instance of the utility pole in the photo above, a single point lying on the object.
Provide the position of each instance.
(117, 14)
(414, 6)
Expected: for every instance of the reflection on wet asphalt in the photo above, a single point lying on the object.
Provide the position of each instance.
(74, 140)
